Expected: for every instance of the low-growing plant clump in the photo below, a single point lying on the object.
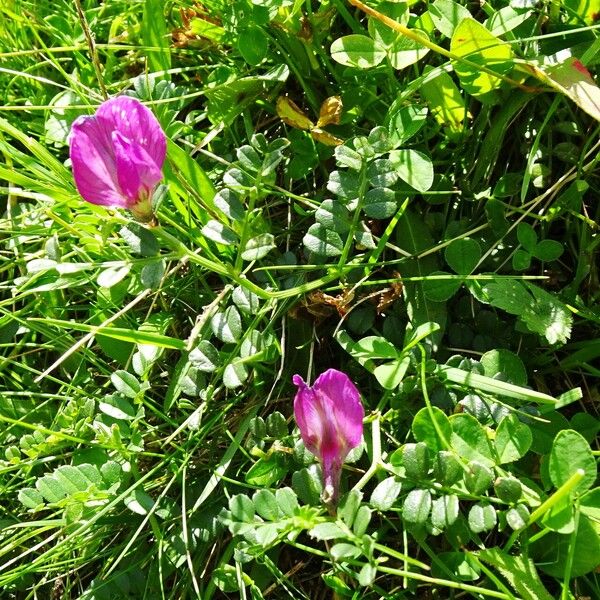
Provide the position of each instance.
(299, 299)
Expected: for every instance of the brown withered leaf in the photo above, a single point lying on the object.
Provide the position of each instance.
(321, 305)
(291, 114)
(325, 138)
(331, 111)
(388, 295)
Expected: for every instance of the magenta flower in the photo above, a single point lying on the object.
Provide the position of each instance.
(330, 417)
(117, 155)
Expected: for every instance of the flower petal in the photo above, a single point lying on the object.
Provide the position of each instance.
(136, 122)
(346, 410)
(308, 416)
(93, 163)
(137, 172)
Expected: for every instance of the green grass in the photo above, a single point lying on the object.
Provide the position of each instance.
(148, 447)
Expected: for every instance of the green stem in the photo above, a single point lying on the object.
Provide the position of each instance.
(564, 490)
(376, 460)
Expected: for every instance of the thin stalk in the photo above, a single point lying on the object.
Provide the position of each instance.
(376, 460)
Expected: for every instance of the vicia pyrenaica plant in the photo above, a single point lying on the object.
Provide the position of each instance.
(117, 156)
(330, 417)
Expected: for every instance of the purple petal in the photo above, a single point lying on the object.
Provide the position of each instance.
(93, 163)
(136, 122)
(137, 172)
(346, 409)
(308, 416)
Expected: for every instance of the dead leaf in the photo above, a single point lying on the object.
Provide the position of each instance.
(572, 79)
(325, 138)
(291, 114)
(331, 111)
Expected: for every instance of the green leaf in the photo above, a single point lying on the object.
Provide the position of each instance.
(253, 45)
(441, 286)
(343, 551)
(347, 157)
(242, 508)
(527, 236)
(513, 439)
(375, 347)
(447, 468)
(30, 498)
(287, 501)
(413, 167)
(258, 247)
(266, 471)
(405, 52)
(349, 506)
(245, 300)
(470, 440)
(307, 485)
(482, 517)
(385, 493)
(266, 505)
(234, 375)
(152, 274)
(521, 260)
(140, 239)
(416, 461)
(390, 375)
(554, 550)
(472, 41)
(323, 241)
(344, 184)
(432, 427)
(444, 511)
(110, 277)
(276, 425)
(417, 506)
(205, 357)
(332, 214)
(560, 517)
(227, 100)
(506, 19)
(217, 232)
(518, 517)
(381, 173)
(367, 574)
(229, 204)
(227, 326)
(506, 363)
(139, 502)
(478, 478)
(190, 173)
(508, 489)
(570, 452)
(548, 250)
(540, 311)
(405, 122)
(357, 51)
(463, 255)
(519, 572)
(361, 521)
(126, 383)
(380, 203)
(327, 531)
(446, 15)
(444, 100)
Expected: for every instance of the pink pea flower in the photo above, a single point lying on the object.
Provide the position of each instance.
(330, 417)
(117, 156)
